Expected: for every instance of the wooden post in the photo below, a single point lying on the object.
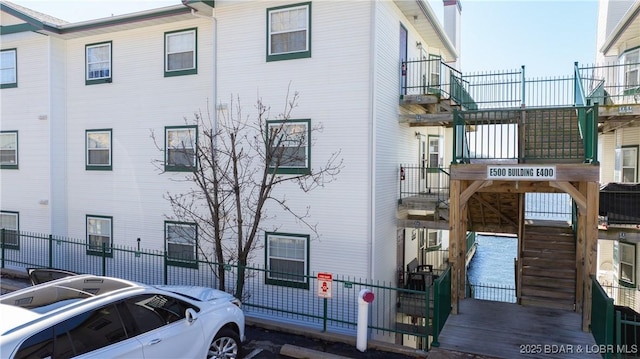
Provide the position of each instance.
(591, 247)
(580, 250)
(454, 241)
(521, 234)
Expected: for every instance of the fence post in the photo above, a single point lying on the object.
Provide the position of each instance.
(166, 268)
(104, 258)
(50, 251)
(324, 316)
(618, 338)
(436, 314)
(2, 245)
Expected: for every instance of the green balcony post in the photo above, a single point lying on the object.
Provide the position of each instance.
(436, 314)
(594, 132)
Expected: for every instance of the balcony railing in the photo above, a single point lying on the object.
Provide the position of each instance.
(525, 135)
(423, 182)
(611, 83)
(502, 89)
(620, 203)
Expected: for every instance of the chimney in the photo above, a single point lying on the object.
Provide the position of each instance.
(452, 25)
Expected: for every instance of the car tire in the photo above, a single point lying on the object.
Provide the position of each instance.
(225, 345)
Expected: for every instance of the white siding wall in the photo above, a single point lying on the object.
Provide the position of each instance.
(607, 156)
(138, 101)
(334, 90)
(21, 110)
(58, 134)
(394, 143)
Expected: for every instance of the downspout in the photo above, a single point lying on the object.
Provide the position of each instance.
(372, 141)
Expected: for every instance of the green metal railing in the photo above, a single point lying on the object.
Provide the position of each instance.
(521, 135)
(442, 304)
(299, 303)
(602, 319)
(609, 84)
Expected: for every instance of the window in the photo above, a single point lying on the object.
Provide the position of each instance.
(98, 66)
(98, 154)
(9, 223)
(180, 56)
(99, 235)
(287, 259)
(289, 32)
(632, 71)
(151, 311)
(630, 164)
(180, 145)
(9, 149)
(627, 264)
(288, 142)
(181, 243)
(8, 68)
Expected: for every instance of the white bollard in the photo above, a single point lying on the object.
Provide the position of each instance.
(364, 298)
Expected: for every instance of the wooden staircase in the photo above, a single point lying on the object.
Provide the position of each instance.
(548, 267)
(553, 134)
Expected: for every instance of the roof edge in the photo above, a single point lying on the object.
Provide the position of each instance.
(632, 14)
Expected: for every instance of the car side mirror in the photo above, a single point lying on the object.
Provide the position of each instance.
(191, 315)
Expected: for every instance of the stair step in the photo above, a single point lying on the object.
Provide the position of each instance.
(548, 263)
(547, 293)
(547, 303)
(549, 273)
(546, 253)
(550, 245)
(546, 282)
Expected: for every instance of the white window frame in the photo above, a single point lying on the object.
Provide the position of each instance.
(171, 135)
(11, 68)
(88, 59)
(12, 237)
(168, 53)
(89, 149)
(633, 152)
(631, 248)
(294, 134)
(632, 69)
(274, 277)
(5, 146)
(289, 29)
(182, 262)
(100, 227)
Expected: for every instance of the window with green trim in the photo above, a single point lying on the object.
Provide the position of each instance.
(8, 68)
(99, 235)
(180, 148)
(98, 63)
(627, 263)
(287, 259)
(288, 142)
(10, 226)
(289, 32)
(98, 155)
(9, 149)
(181, 240)
(180, 53)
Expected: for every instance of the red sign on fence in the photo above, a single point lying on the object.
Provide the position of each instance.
(325, 281)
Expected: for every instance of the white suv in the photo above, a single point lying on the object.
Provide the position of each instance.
(90, 316)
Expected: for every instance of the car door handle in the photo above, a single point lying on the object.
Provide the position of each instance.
(154, 341)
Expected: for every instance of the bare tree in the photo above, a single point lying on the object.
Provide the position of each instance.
(235, 164)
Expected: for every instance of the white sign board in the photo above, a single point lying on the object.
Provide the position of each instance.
(511, 173)
(325, 281)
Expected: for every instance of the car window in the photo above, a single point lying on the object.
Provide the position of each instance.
(151, 311)
(37, 346)
(90, 331)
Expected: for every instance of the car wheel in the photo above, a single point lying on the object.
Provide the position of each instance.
(226, 345)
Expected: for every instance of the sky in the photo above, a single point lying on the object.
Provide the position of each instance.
(546, 36)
